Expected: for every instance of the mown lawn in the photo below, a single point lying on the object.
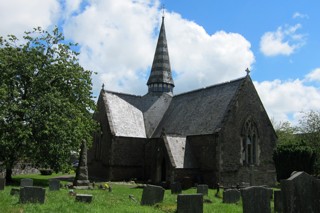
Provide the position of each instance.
(103, 201)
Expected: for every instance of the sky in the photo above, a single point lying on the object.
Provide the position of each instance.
(209, 42)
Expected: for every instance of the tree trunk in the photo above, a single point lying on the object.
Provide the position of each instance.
(9, 175)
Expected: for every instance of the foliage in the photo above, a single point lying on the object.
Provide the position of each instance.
(45, 100)
(293, 156)
(310, 132)
(285, 132)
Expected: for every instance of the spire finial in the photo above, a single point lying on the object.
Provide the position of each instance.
(102, 86)
(163, 9)
(247, 71)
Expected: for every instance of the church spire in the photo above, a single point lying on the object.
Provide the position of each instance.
(160, 79)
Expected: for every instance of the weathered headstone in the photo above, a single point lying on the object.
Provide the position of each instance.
(2, 183)
(277, 198)
(203, 189)
(190, 203)
(54, 185)
(300, 193)
(176, 188)
(30, 194)
(231, 196)
(152, 194)
(256, 199)
(86, 198)
(26, 182)
(81, 178)
(15, 191)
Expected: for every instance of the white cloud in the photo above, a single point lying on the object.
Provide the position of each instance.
(120, 46)
(299, 15)
(284, 41)
(313, 76)
(285, 100)
(18, 16)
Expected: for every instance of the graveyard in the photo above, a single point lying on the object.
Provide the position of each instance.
(124, 197)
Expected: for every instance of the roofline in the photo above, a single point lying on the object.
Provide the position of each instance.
(121, 93)
(211, 86)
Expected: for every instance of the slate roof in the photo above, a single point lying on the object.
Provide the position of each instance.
(199, 112)
(194, 113)
(179, 152)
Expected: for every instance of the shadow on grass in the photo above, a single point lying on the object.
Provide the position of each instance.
(40, 180)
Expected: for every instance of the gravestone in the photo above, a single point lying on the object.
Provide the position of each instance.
(277, 198)
(152, 194)
(30, 194)
(231, 196)
(203, 189)
(54, 185)
(81, 178)
(26, 182)
(15, 191)
(176, 188)
(190, 203)
(86, 198)
(2, 183)
(256, 199)
(300, 193)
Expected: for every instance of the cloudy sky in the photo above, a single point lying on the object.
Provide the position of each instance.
(209, 42)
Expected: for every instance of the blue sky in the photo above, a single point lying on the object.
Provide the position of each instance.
(209, 42)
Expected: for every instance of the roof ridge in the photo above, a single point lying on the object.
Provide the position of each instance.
(211, 86)
(121, 93)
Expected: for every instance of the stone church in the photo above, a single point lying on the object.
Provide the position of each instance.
(218, 134)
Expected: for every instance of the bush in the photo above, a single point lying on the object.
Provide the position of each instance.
(293, 156)
(45, 171)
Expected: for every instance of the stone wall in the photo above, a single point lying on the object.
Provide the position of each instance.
(247, 105)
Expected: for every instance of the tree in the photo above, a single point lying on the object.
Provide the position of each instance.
(310, 132)
(45, 100)
(293, 156)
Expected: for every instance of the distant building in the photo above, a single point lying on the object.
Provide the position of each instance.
(221, 133)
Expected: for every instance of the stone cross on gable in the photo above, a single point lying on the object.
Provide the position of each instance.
(247, 71)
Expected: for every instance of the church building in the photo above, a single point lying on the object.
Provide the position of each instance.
(218, 134)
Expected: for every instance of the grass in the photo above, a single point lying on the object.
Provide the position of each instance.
(103, 201)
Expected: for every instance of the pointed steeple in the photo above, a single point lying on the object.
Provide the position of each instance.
(160, 79)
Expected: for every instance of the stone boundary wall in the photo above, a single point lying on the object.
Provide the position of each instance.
(20, 169)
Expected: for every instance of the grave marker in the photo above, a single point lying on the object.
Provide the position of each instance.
(203, 189)
(256, 199)
(26, 182)
(152, 194)
(86, 198)
(176, 188)
(300, 193)
(190, 203)
(54, 185)
(277, 198)
(30, 194)
(231, 196)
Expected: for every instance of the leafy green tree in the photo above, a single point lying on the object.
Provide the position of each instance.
(293, 156)
(45, 100)
(310, 132)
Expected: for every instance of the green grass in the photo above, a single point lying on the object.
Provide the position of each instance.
(103, 201)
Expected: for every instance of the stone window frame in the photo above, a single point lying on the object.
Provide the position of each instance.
(250, 143)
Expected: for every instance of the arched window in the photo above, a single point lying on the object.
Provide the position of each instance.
(250, 143)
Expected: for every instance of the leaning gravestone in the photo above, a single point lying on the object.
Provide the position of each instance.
(176, 188)
(190, 203)
(26, 182)
(231, 196)
(203, 189)
(152, 194)
(2, 183)
(30, 194)
(54, 185)
(256, 199)
(277, 198)
(300, 193)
